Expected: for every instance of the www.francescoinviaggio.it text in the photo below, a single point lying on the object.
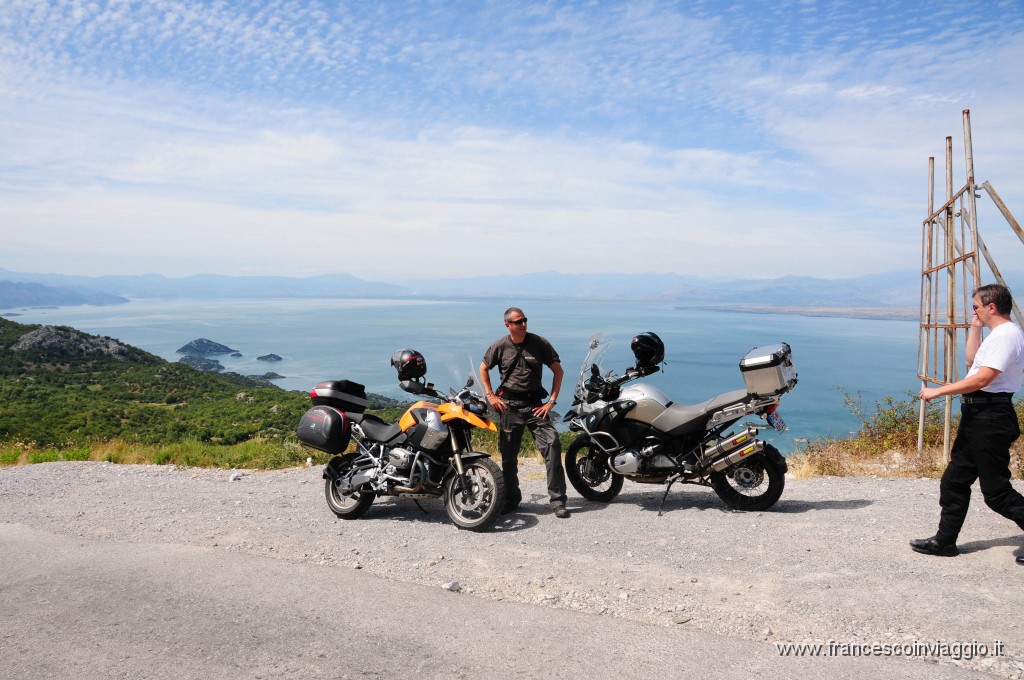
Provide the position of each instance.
(951, 650)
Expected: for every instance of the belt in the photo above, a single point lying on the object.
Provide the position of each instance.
(987, 398)
(523, 403)
(526, 397)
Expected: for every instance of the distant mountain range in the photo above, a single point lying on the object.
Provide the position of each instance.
(889, 290)
(38, 295)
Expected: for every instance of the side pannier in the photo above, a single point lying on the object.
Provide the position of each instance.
(325, 428)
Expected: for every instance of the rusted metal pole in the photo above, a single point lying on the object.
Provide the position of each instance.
(999, 277)
(924, 335)
(1003, 209)
(971, 199)
(950, 353)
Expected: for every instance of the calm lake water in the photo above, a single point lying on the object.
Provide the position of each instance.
(354, 339)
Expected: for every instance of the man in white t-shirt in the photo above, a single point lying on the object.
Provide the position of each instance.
(988, 422)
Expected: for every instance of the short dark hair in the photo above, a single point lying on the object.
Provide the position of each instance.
(511, 310)
(994, 293)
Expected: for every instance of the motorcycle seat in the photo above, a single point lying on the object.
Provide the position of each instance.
(678, 420)
(376, 429)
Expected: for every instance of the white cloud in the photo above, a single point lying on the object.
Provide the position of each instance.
(575, 138)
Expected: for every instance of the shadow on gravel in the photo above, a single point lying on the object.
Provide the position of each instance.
(404, 510)
(523, 518)
(647, 501)
(701, 499)
(784, 506)
(978, 546)
(431, 511)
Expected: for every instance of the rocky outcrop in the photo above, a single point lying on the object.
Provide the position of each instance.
(202, 347)
(64, 341)
(269, 357)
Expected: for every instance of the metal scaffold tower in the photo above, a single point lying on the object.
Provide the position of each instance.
(950, 271)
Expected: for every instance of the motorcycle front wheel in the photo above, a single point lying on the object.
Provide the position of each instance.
(346, 506)
(475, 502)
(586, 467)
(755, 484)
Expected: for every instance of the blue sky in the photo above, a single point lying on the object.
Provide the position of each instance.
(402, 139)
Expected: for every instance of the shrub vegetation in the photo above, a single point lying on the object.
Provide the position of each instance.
(886, 442)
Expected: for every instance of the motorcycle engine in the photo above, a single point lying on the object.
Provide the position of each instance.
(638, 460)
(400, 458)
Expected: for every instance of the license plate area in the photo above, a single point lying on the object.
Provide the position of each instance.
(776, 421)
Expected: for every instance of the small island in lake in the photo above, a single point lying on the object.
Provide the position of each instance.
(202, 347)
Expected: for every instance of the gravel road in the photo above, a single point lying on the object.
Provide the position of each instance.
(830, 563)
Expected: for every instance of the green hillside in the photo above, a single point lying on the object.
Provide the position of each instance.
(59, 386)
(68, 395)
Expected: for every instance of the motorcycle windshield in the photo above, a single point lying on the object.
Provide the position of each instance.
(597, 346)
(472, 384)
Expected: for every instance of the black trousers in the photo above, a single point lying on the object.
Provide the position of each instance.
(981, 451)
(514, 420)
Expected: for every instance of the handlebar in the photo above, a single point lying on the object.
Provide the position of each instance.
(607, 388)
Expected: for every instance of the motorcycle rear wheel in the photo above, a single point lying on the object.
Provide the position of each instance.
(478, 505)
(586, 467)
(755, 484)
(348, 506)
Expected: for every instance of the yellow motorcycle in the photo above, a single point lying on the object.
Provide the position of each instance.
(427, 454)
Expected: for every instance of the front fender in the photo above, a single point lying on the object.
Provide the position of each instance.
(450, 411)
(466, 458)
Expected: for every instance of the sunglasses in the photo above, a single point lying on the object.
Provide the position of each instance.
(517, 322)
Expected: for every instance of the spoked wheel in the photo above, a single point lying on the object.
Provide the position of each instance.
(586, 466)
(475, 502)
(345, 505)
(754, 484)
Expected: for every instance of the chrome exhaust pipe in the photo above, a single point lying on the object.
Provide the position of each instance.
(750, 449)
(724, 446)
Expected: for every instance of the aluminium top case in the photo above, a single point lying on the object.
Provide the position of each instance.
(768, 370)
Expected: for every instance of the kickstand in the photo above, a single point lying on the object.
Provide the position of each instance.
(423, 509)
(668, 487)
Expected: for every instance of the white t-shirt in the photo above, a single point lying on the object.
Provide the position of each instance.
(1002, 350)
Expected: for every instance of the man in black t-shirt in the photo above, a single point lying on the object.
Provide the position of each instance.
(520, 358)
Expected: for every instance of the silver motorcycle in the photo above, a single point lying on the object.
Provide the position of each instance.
(637, 432)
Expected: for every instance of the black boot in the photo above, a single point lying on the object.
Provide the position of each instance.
(931, 546)
(512, 500)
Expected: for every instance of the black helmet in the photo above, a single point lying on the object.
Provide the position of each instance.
(648, 349)
(409, 363)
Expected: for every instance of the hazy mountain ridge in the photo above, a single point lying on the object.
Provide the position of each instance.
(896, 289)
(28, 294)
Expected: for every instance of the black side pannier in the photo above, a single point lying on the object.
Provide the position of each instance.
(341, 394)
(325, 428)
